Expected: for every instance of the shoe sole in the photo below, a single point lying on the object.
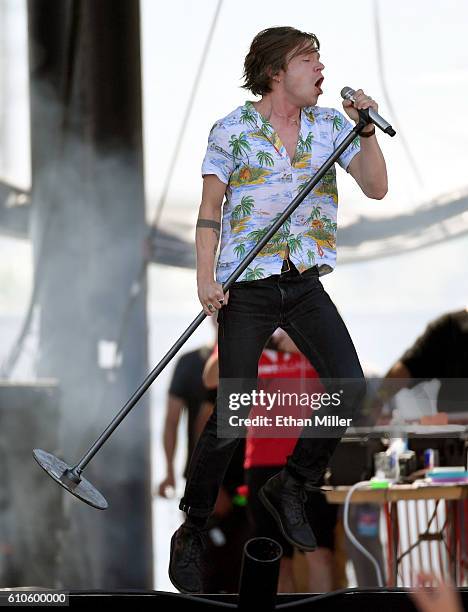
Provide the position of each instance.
(171, 577)
(272, 510)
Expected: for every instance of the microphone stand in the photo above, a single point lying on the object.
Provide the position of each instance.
(70, 478)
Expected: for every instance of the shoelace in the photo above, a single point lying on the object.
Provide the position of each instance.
(192, 552)
(297, 499)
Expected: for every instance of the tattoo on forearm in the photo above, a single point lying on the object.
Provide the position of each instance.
(210, 224)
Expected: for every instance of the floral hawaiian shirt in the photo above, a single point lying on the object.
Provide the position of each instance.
(246, 154)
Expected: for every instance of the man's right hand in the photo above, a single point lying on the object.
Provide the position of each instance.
(211, 296)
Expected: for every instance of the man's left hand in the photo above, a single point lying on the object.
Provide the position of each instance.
(363, 101)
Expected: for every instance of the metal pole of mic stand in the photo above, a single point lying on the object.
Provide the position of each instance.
(70, 477)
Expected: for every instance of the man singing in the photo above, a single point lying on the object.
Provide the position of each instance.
(258, 158)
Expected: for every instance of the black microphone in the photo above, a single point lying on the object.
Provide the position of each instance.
(348, 94)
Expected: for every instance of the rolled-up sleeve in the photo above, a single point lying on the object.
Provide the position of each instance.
(341, 128)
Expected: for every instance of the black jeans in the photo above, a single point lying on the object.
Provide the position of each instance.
(299, 304)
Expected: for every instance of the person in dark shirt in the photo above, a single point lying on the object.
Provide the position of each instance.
(441, 352)
(186, 391)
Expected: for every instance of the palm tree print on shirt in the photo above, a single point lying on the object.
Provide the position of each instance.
(322, 231)
(302, 154)
(266, 158)
(240, 250)
(337, 122)
(241, 213)
(316, 213)
(248, 116)
(250, 113)
(326, 186)
(239, 146)
(247, 174)
(309, 114)
(244, 208)
(281, 237)
(306, 262)
(276, 245)
(246, 151)
(254, 273)
(295, 243)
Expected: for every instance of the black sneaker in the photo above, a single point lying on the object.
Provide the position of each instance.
(285, 498)
(186, 561)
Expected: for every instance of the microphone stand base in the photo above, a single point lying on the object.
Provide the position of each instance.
(64, 475)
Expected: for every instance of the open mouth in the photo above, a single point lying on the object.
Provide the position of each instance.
(318, 84)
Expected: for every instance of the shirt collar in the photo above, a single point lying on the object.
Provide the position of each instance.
(254, 117)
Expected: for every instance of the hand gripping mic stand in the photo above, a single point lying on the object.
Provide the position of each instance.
(70, 478)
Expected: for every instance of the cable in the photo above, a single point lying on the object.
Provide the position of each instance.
(139, 284)
(352, 537)
(331, 595)
(215, 604)
(9, 363)
(386, 95)
(140, 281)
(188, 110)
(424, 533)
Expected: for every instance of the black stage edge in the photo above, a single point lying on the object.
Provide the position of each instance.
(352, 600)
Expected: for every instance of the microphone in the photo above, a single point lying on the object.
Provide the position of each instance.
(348, 94)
